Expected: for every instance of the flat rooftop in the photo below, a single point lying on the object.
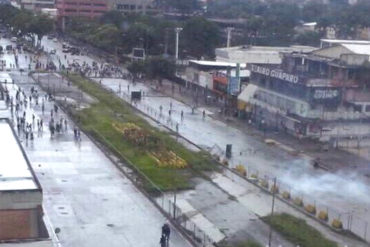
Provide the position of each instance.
(268, 49)
(15, 170)
(345, 41)
(216, 63)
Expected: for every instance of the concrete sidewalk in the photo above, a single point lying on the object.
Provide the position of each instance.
(85, 195)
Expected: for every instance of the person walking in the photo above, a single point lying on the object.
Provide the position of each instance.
(163, 241)
(166, 231)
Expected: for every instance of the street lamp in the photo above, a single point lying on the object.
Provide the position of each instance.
(229, 29)
(177, 30)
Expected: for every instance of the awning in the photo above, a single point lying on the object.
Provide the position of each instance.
(248, 93)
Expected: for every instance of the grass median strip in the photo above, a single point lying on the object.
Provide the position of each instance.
(298, 231)
(167, 163)
(248, 243)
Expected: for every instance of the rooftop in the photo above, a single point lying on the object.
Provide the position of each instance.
(216, 63)
(360, 49)
(269, 49)
(258, 54)
(15, 171)
(344, 41)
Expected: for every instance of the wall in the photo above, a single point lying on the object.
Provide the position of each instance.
(201, 78)
(332, 52)
(18, 224)
(20, 199)
(354, 59)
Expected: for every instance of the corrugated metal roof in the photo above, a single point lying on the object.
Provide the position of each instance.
(358, 49)
(216, 63)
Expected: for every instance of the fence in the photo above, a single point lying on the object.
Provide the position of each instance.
(340, 221)
(161, 199)
(183, 220)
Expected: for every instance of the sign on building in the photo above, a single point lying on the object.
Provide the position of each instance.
(274, 73)
(233, 85)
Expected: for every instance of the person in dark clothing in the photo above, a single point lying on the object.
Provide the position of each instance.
(166, 231)
(163, 241)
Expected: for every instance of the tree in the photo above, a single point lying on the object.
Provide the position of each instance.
(107, 37)
(136, 68)
(200, 37)
(314, 11)
(112, 17)
(183, 6)
(139, 35)
(21, 23)
(158, 68)
(40, 26)
(308, 38)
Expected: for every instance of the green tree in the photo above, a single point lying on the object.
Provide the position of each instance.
(112, 17)
(41, 25)
(107, 37)
(22, 22)
(183, 6)
(314, 11)
(158, 68)
(136, 68)
(200, 37)
(308, 38)
(139, 35)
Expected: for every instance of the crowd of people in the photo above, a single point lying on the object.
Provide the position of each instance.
(95, 70)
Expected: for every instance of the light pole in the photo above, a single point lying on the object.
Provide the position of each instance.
(177, 30)
(229, 29)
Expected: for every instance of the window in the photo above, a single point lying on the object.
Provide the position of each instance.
(367, 108)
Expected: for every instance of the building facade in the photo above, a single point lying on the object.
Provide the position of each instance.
(81, 8)
(21, 212)
(323, 94)
(256, 54)
(37, 5)
(134, 6)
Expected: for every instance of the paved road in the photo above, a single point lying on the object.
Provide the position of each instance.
(343, 193)
(84, 194)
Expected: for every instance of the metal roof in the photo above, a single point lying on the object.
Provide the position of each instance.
(358, 48)
(216, 64)
(345, 41)
(15, 171)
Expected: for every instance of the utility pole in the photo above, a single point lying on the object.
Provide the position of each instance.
(177, 30)
(272, 210)
(229, 29)
(166, 41)
(174, 204)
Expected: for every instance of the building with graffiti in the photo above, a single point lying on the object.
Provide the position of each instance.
(322, 94)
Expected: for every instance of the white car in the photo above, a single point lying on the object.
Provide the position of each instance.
(55, 40)
(53, 51)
